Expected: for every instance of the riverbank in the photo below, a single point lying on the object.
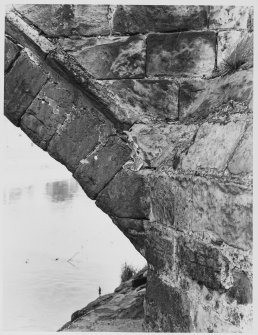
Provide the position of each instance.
(120, 311)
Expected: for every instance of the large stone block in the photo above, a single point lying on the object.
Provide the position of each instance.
(145, 100)
(51, 114)
(11, 52)
(169, 307)
(187, 53)
(223, 210)
(22, 84)
(110, 57)
(213, 146)
(141, 19)
(234, 17)
(67, 20)
(242, 160)
(199, 99)
(125, 196)
(97, 169)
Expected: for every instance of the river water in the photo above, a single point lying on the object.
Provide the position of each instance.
(58, 247)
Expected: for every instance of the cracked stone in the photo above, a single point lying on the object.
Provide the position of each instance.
(234, 17)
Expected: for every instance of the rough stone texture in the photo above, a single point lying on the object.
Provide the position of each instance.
(125, 196)
(67, 20)
(22, 84)
(119, 311)
(163, 300)
(187, 53)
(140, 19)
(197, 204)
(242, 160)
(225, 17)
(120, 57)
(11, 52)
(96, 170)
(144, 100)
(206, 154)
(169, 159)
(230, 94)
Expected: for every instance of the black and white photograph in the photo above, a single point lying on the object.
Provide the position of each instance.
(127, 167)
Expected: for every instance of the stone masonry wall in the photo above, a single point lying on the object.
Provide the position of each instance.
(150, 108)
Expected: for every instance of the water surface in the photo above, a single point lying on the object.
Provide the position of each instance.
(58, 246)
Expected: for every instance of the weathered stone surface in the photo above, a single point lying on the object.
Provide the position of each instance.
(242, 160)
(205, 154)
(144, 100)
(229, 94)
(141, 19)
(234, 17)
(96, 170)
(53, 111)
(22, 84)
(187, 53)
(67, 20)
(120, 57)
(198, 204)
(125, 196)
(11, 52)
(241, 290)
(169, 308)
(200, 263)
(163, 143)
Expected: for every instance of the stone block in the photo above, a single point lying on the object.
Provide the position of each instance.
(168, 305)
(97, 169)
(22, 84)
(111, 57)
(52, 112)
(201, 205)
(142, 19)
(146, 99)
(186, 53)
(231, 94)
(242, 160)
(242, 288)
(228, 17)
(213, 146)
(125, 196)
(67, 20)
(11, 52)
(164, 143)
(200, 262)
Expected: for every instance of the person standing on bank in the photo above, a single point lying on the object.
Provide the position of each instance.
(99, 291)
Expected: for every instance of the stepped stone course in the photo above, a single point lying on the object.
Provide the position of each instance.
(137, 102)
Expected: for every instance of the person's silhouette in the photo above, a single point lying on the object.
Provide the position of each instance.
(99, 291)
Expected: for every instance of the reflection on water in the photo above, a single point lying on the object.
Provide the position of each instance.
(58, 249)
(60, 191)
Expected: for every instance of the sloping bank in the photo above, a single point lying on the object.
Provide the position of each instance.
(119, 311)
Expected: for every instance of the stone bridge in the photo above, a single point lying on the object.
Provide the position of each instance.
(150, 108)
